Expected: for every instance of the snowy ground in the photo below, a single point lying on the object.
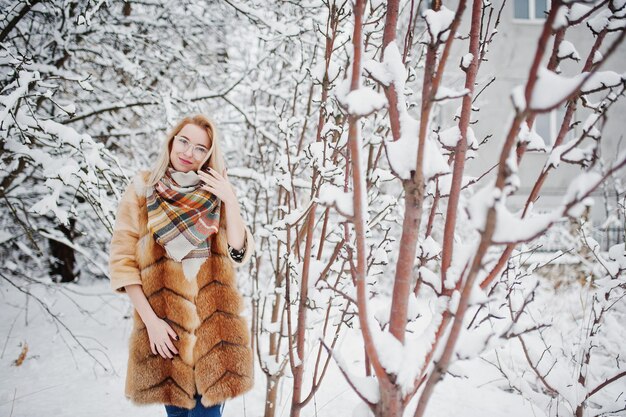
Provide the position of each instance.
(59, 378)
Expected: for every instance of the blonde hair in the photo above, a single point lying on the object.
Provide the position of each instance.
(214, 156)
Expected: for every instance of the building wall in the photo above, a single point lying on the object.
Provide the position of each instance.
(508, 60)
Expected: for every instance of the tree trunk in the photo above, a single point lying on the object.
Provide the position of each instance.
(390, 404)
(271, 392)
(62, 257)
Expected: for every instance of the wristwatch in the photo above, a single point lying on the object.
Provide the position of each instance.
(238, 255)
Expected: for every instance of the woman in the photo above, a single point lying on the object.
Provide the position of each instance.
(177, 239)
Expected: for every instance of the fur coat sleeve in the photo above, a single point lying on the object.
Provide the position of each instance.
(123, 268)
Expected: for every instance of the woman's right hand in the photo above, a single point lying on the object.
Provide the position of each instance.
(159, 332)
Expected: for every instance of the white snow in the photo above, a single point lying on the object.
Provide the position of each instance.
(318, 71)
(429, 248)
(512, 228)
(552, 88)
(74, 381)
(617, 254)
(509, 227)
(377, 71)
(597, 57)
(533, 140)
(599, 21)
(466, 60)
(567, 50)
(578, 189)
(576, 10)
(21, 87)
(438, 23)
(445, 182)
(560, 19)
(430, 278)
(451, 136)
(403, 152)
(445, 94)
(333, 196)
(363, 101)
(58, 377)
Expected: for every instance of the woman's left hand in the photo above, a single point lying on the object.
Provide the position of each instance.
(219, 185)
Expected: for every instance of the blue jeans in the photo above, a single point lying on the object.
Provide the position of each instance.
(198, 411)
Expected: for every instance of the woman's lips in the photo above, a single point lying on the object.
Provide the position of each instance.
(184, 161)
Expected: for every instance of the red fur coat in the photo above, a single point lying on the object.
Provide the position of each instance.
(215, 358)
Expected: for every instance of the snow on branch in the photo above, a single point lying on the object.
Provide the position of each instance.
(438, 23)
(362, 102)
(445, 94)
(402, 153)
(513, 228)
(552, 89)
(366, 387)
(532, 140)
(332, 196)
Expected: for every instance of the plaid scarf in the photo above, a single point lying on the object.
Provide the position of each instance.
(181, 215)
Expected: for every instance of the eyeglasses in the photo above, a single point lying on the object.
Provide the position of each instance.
(199, 151)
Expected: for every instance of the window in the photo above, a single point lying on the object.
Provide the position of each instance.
(530, 10)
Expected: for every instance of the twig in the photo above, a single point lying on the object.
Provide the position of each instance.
(45, 307)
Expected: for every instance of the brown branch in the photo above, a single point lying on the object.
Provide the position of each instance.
(358, 196)
(389, 35)
(490, 225)
(558, 141)
(408, 37)
(461, 147)
(605, 383)
(345, 374)
(446, 50)
(298, 374)
(414, 189)
(549, 387)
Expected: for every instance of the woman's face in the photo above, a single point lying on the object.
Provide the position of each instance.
(186, 160)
